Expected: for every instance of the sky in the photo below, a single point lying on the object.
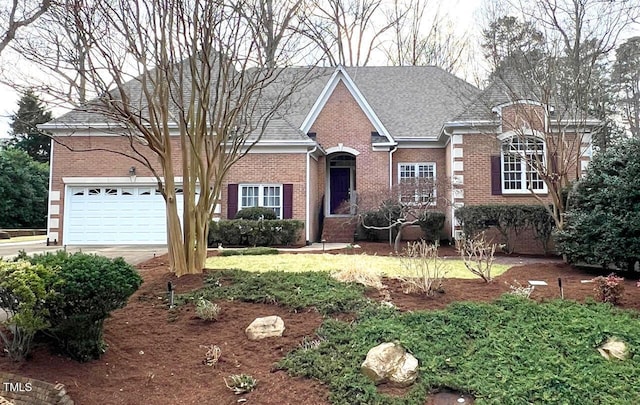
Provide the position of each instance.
(464, 13)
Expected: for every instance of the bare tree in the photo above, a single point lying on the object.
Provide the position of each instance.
(347, 32)
(626, 79)
(553, 94)
(423, 38)
(405, 204)
(17, 14)
(200, 74)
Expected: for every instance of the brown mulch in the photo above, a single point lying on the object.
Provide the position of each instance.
(155, 356)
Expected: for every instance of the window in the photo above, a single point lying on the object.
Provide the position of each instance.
(260, 195)
(417, 182)
(520, 156)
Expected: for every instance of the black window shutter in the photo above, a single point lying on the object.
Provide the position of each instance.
(496, 175)
(287, 201)
(232, 201)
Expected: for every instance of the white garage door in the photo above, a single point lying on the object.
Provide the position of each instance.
(115, 215)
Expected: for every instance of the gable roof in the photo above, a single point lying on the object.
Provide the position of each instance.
(405, 102)
(501, 90)
(413, 101)
(511, 87)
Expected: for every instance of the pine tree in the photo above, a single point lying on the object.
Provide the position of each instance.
(24, 132)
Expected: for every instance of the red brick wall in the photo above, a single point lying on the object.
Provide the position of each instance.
(267, 168)
(253, 168)
(437, 156)
(93, 156)
(342, 121)
(477, 152)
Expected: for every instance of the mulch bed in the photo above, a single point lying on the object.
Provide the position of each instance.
(155, 356)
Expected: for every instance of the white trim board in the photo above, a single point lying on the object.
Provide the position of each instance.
(341, 74)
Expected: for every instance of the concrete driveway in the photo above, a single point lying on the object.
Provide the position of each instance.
(132, 254)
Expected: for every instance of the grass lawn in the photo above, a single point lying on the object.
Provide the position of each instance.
(24, 239)
(382, 265)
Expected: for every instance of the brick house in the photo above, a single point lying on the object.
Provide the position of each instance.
(348, 132)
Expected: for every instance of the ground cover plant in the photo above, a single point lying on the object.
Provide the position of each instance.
(380, 265)
(513, 351)
(159, 355)
(296, 291)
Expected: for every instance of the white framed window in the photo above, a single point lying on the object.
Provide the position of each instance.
(520, 157)
(261, 195)
(416, 182)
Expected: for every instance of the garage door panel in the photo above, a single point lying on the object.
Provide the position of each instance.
(115, 215)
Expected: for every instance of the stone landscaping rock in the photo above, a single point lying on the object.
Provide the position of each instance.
(260, 328)
(389, 362)
(614, 348)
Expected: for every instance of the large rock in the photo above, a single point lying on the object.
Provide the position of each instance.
(390, 362)
(268, 326)
(614, 348)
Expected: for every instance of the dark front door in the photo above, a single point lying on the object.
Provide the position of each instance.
(339, 185)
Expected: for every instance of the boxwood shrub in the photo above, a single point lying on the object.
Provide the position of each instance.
(507, 219)
(89, 288)
(256, 213)
(241, 232)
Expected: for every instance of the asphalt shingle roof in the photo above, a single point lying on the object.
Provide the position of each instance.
(411, 102)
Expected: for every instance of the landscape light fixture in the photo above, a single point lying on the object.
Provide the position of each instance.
(132, 173)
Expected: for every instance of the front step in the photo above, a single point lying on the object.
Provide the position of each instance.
(338, 230)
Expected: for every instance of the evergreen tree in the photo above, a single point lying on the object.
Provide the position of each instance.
(603, 224)
(24, 132)
(24, 184)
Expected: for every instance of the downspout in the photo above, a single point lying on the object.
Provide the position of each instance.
(391, 152)
(308, 197)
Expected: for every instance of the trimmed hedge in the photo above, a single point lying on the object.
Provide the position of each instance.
(252, 251)
(241, 232)
(432, 225)
(507, 219)
(256, 214)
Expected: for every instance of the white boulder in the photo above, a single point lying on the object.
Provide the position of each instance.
(390, 362)
(269, 326)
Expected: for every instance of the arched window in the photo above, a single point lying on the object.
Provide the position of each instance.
(521, 157)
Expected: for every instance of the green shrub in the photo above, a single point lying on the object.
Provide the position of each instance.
(207, 310)
(241, 232)
(91, 287)
(256, 213)
(293, 290)
(507, 219)
(387, 213)
(432, 224)
(252, 251)
(603, 221)
(24, 292)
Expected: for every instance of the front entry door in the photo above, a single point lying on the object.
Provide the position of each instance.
(339, 188)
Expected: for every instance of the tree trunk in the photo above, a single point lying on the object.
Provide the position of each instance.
(396, 245)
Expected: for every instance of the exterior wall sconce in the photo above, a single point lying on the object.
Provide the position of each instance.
(132, 173)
